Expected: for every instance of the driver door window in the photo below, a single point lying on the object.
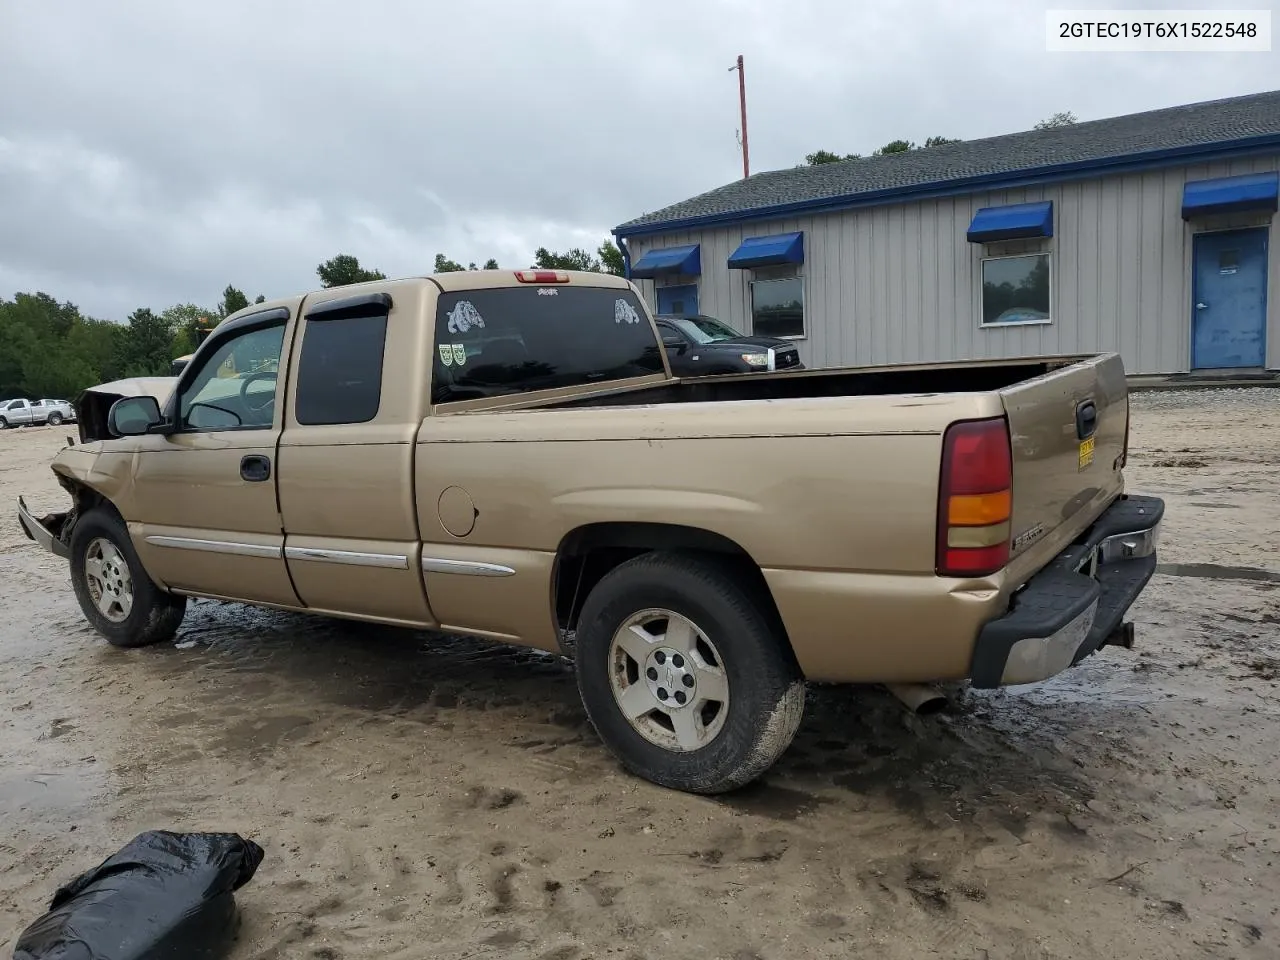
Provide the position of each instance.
(235, 386)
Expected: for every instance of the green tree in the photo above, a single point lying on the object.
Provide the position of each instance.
(819, 157)
(146, 347)
(185, 319)
(573, 259)
(611, 258)
(260, 298)
(345, 269)
(232, 300)
(491, 264)
(42, 352)
(1063, 119)
(445, 265)
(895, 146)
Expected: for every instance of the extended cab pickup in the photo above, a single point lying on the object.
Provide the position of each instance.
(506, 454)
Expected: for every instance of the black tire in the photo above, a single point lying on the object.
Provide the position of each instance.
(154, 616)
(54, 419)
(4, 424)
(766, 689)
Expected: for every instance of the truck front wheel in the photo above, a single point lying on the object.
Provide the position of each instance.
(683, 675)
(116, 596)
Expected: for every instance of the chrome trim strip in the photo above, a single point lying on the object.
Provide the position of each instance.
(773, 359)
(391, 561)
(469, 568)
(268, 551)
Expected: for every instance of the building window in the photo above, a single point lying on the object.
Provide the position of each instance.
(777, 308)
(1016, 290)
(678, 301)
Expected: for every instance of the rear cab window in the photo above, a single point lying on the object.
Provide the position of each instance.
(509, 340)
(340, 366)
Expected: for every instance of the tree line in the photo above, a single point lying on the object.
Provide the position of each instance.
(818, 157)
(51, 349)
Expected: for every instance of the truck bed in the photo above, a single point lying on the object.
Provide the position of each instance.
(956, 377)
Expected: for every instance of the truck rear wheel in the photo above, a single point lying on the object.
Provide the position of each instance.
(54, 419)
(684, 677)
(116, 596)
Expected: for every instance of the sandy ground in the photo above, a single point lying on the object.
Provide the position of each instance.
(424, 796)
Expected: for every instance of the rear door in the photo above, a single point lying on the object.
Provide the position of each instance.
(346, 457)
(1068, 431)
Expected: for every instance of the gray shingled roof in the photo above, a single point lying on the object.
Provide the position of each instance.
(1096, 141)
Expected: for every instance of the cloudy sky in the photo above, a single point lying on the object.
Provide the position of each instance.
(153, 151)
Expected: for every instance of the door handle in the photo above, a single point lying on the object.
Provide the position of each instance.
(1202, 306)
(255, 468)
(1086, 419)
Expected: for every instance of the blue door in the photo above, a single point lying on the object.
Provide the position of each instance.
(1229, 313)
(679, 301)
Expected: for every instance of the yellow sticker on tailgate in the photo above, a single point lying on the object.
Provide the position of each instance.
(1086, 452)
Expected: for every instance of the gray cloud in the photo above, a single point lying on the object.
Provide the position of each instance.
(151, 152)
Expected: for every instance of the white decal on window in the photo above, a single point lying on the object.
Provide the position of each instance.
(623, 311)
(547, 291)
(464, 316)
(460, 353)
(446, 354)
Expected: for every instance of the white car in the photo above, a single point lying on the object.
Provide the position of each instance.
(26, 413)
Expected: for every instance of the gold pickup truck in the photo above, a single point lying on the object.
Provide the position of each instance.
(506, 454)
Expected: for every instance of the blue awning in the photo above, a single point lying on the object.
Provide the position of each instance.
(1019, 221)
(1252, 192)
(768, 251)
(682, 260)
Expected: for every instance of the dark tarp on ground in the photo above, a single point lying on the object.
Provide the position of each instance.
(165, 896)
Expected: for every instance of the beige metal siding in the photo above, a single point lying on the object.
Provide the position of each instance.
(900, 283)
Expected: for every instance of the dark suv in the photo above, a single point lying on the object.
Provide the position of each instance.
(700, 346)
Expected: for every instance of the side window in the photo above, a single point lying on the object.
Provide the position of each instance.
(340, 369)
(17, 404)
(235, 386)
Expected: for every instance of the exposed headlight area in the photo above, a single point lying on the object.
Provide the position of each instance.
(756, 359)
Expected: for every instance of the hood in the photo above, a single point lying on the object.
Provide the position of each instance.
(746, 343)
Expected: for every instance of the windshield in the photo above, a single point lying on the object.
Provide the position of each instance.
(490, 343)
(704, 329)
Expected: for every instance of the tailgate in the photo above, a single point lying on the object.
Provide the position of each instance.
(1067, 430)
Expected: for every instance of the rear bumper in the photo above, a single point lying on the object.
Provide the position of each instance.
(1077, 603)
(43, 531)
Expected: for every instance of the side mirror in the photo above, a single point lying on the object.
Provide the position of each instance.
(675, 343)
(134, 416)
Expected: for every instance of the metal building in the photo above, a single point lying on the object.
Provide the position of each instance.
(1148, 234)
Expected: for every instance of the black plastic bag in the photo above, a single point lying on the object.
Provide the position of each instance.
(165, 896)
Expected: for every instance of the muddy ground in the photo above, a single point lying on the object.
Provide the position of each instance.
(423, 796)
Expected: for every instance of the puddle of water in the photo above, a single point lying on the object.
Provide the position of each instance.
(49, 795)
(1213, 571)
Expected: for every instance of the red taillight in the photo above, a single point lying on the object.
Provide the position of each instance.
(542, 276)
(975, 499)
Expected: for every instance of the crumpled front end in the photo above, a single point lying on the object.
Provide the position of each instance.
(46, 530)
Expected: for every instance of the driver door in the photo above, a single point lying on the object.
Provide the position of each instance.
(204, 517)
